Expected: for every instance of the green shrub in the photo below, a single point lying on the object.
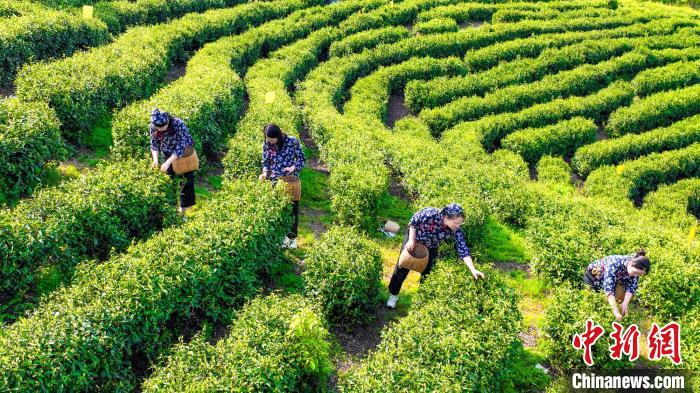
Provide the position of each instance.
(120, 15)
(492, 128)
(437, 25)
(678, 202)
(109, 206)
(439, 91)
(546, 13)
(553, 169)
(669, 77)
(29, 138)
(367, 39)
(488, 57)
(690, 344)
(560, 139)
(476, 11)
(86, 87)
(671, 289)
(458, 336)
(585, 79)
(566, 315)
(634, 179)
(343, 273)
(276, 344)
(656, 110)
(43, 34)
(614, 151)
(135, 305)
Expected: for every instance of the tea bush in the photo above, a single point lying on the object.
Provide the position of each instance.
(87, 334)
(89, 217)
(29, 138)
(457, 336)
(628, 147)
(343, 275)
(276, 344)
(560, 139)
(86, 87)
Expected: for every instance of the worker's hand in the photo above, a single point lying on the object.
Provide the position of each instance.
(165, 166)
(154, 165)
(411, 245)
(290, 169)
(477, 274)
(262, 176)
(624, 308)
(618, 316)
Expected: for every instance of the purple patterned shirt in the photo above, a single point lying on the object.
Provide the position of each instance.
(274, 160)
(430, 231)
(171, 142)
(613, 270)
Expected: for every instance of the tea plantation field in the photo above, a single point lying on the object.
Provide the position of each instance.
(568, 130)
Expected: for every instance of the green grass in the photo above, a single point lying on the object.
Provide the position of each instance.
(100, 137)
(314, 194)
(498, 242)
(523, 375)
(394, 208)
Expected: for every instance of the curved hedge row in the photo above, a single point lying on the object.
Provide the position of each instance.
(553, 169)
(42, 34)
(439, 91)
(475, 11)
(357, 42)
(560, 139)
(457, 336)
(436, 26)
(110, 206)
(358, 65)
(130, 309)
(210, 102)
(268, 81)
(86, 87)
(492, 128)
(634, 179)
(343, 275)
(488, 57)
(669, 77)
(276, 344)
(451, 166)
(29, 137)
(584, 79)
(546, 13)
(614, 151)
(656, 110)
(120, 15)
(566, 315)
(678, 202)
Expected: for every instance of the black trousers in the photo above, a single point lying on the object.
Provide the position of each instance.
(295, 221)
(400, 273)
(187, 197)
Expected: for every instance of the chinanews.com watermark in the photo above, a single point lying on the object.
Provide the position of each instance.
(644, 380)
(662, 342)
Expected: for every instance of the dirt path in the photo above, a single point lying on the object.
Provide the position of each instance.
(397, 108)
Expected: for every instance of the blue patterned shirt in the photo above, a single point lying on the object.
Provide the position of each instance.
(173, 140)
(274, 160)
(431, 230)
(612, 270)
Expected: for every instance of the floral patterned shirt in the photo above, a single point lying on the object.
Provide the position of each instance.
(430, 231)
(171, 142)
(274, 160)
(611, 271)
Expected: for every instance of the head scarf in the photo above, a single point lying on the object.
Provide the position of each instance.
(452, 210)
(158, 118)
